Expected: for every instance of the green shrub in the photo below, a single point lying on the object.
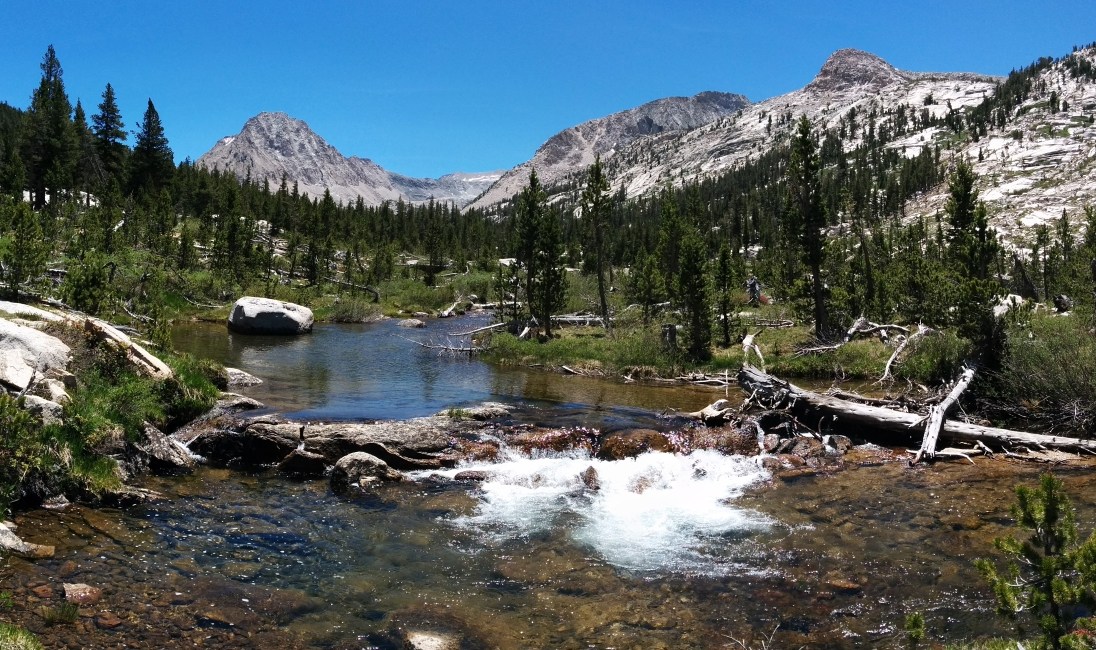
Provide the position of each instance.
(355, 310)
(1049, 372)
(935, 359)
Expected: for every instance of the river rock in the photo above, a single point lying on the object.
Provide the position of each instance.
(165, 456)
(40, 351)
(82, 594)
(411, 322)
(303, 464)
(632, 442)
(404, 445)
(481, 412)
(10, 542)
(361, 470)
(259, 442)
(237, 377)
(251, 315)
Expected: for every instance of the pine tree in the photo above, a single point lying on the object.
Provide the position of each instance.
(725, 285)
(89, 172)
(1050, 573)
(110, 135)
(25, 258)
(595, 211)
(551, 282)
(693, 289)
(49, 143)
(645, 283)
(152, 163)
(804, 186)
(531, 206)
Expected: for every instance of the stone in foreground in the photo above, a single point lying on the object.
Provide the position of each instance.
(251, 315)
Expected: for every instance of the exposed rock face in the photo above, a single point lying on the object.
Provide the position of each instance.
(251, 315)
(163, 454)
(572, 150)
(273, 145)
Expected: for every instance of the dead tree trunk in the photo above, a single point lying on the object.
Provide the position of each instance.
(808, 406)
(936, 416)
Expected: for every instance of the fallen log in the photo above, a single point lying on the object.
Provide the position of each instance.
(776, 393)
(937, 413)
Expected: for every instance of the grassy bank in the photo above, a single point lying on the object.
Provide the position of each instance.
(635, 349)
(109, 406)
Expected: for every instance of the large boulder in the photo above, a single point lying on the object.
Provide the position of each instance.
(251, 315)
(362, 471)
(38, 351)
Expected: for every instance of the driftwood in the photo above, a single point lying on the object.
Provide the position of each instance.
(715, 413)
(921, 331)
(776, 393)
(937, 413)
(448, 313)
(456, 349)
(487, 328)
(860, 326)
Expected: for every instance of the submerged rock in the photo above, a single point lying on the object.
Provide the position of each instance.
(10, 542)
(82, 594)
(251, 315)
(237, 377)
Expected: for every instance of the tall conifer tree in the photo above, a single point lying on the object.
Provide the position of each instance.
(49, 143)
(152, 162)
(110, 135)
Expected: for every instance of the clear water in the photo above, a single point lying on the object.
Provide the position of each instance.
(377, 371)
(670, 551)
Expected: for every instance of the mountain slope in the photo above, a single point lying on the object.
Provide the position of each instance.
(572, 150)
(850, 82)
(273, 145)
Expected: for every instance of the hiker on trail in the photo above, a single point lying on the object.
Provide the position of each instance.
(753, 287)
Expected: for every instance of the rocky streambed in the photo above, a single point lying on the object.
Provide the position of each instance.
(484, 531)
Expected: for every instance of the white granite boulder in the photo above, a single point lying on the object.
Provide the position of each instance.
(251, 315)
(25, 349)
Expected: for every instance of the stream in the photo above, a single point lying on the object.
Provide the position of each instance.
(695, 551)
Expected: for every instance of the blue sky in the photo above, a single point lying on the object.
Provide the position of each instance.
(426, 88)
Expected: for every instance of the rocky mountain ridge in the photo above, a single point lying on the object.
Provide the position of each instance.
(572, 150)
(274, 145)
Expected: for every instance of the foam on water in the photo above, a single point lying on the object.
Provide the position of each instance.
(657, 512)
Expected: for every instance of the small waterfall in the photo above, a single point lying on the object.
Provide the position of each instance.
(657, 512)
